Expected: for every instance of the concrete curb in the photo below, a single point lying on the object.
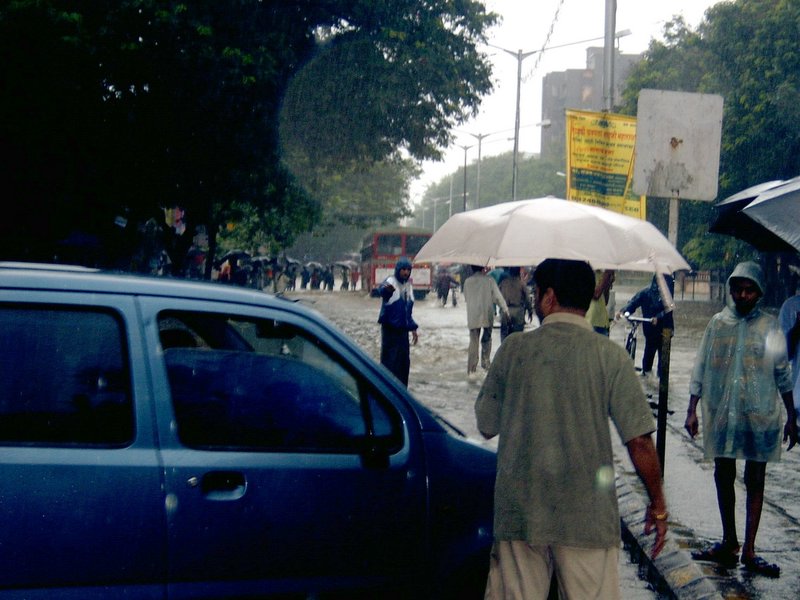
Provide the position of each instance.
(673, 572)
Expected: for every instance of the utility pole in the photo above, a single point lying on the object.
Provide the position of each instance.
(479, 137)
(465, 147)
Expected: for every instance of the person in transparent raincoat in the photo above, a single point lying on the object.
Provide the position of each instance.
(740, 371)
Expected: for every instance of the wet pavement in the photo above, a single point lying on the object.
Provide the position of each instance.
(438, 379)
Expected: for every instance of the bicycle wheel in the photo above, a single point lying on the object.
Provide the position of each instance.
(630, 344)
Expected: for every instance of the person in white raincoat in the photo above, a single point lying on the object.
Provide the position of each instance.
(740, 371)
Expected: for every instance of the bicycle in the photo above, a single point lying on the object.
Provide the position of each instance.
(630, 339)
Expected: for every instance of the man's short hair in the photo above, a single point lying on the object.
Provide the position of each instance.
(572, 281)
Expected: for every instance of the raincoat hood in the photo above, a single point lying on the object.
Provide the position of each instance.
(746, 270)
(749, 270)
(403, 263)
(670, 283)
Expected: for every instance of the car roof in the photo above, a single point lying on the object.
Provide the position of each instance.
(41, 276)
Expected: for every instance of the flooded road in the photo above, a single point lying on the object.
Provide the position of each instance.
(438, 380)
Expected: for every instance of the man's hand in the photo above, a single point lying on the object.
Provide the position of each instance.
(691, 424)
(656, 520)
(414, 338)
(386, 290)
(790, 431)
(644, 457)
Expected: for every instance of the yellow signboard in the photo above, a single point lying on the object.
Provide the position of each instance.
(600, 151)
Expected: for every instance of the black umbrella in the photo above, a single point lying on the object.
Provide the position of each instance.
(730, 220)
(239, 255)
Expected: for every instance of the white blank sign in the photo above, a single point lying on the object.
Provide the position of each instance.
(677, 145)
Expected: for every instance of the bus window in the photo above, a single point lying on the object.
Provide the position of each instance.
(414, 243)
(390, 245)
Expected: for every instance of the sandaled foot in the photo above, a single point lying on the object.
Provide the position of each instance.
(720, 553)
(759, 566)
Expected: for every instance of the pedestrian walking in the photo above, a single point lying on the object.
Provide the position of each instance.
(549, 395)
(740, 370)
(445, 284)
(597, 314)
(649, 301)
(481, 294)
(397, 321)
(515, 293)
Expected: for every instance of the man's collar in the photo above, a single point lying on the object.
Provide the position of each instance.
(566, 317)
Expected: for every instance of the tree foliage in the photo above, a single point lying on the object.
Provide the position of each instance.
(112, 110)
(748, 51)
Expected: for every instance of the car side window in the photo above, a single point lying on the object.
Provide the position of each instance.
(264, 385)
(64, 377)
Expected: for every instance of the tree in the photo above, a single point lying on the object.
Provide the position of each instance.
(113, 110)
(537, 178)
(748, 52)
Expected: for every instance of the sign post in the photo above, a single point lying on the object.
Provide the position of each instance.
(677, 156)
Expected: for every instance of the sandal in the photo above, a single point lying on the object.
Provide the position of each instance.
(759, 566)
(722, 554)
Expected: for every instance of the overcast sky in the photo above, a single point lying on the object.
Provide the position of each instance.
(525, 25)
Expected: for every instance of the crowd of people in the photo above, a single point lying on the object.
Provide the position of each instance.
(279, 276)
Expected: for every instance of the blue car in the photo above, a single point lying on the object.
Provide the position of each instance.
(170, 439)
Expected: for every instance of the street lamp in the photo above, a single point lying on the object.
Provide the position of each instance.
(520, 56)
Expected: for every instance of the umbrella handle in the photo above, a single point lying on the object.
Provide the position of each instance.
(663, 288)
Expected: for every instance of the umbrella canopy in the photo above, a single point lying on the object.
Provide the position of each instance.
(526, 232)
(778, 211)
(239, 255)
(346, 264)
(731, 220)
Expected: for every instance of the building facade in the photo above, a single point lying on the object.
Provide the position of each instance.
(579, 89)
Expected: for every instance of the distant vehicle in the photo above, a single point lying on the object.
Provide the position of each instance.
(383, 247)
(163, 438)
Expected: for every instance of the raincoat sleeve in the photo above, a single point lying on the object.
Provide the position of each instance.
(698, 372)
(783, 370)
(634, 302)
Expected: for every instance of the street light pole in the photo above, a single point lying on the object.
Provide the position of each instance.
(465, 147)
(608, 55)
(451, 196)
(520, 56)
(479, 137)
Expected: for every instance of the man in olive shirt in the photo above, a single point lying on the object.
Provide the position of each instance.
(549, 394)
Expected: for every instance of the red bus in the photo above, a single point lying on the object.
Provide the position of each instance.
(381, 250)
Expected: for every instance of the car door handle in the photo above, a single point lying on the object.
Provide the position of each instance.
(223, 485)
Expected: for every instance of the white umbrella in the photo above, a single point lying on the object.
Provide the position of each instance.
(526, 232)
(778, 210)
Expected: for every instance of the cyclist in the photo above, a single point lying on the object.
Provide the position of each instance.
(652, 307)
